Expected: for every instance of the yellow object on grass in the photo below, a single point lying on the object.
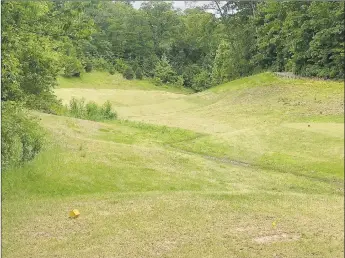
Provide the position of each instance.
(74, 214)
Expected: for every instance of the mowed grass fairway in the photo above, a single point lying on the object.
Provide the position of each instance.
(251, 168)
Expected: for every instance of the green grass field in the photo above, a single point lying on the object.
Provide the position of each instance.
(103, 80)
(251, 168)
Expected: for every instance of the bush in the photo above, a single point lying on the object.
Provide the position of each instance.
(139, 73)
(100, 64)
(73, 67)
(46, 102)
(90, 110)
(149, 64)
(128, 73)
(189, 73)
(179, 81)
(77, 108)
(201, 81)
(120, 65)
(134, 65)
(157, 81)
(88, 67)
(107, 113)
(21, 135)
(166, 73)
(112, 71)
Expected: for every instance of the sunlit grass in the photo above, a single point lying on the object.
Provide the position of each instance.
(178, 175)
(104, 80)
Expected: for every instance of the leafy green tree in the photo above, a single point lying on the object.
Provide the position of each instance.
(326, 47)
(222, 68)
(302, 37)
(165, 73)
(164, 24)
(189, 73)
(201, 81)
(139, 74)
(128, 73)
(21, 136)
(72, 67)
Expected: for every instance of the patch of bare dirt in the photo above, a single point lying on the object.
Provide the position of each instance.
(277, 238)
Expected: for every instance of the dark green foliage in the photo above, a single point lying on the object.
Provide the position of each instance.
(29, 66)
(45, 102)
(166, 74)
(223, 64)
(149, 65)
(21, 136)
(128, 73)
(107, 112)
(305, 38)
(120, 65)
(189, 73)
(139, 73)
(201, 81)
(91, 111)
(39, 39)
(77, 108)
(157, 81)
(88, 67)
(112, 70)
(100, 64)
(73, 67)
(134, 65)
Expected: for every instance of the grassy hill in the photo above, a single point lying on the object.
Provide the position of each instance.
(104, 80)
(251, 168)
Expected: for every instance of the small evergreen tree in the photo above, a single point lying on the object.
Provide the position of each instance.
(73, 67)
(88, 67)
(112, 70)
(165, 72)
(222, 66)
(128, 73)
(139, 73)
(201, 81)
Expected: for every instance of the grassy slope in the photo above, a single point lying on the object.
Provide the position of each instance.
(233, 160)
(104, 80)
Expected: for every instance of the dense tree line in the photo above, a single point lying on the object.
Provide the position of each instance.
(45, 38)
(190, 48)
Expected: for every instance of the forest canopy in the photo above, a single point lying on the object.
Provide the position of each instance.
(193, 48)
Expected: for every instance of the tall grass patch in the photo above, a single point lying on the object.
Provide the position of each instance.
(78, 108)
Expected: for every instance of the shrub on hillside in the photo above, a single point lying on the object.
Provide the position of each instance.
(120, 65)
(128, 73)
(165, 72)
(72, 67)
(77, 108)
(157, 81)
(112, 70)
(189, 73)
(107, 112)
(139, 73)
(21, 135)
(179, 81)
(201, 81)
(100, 64)
(134, 65)
(46, 102)
(149, 65)
(88, 67)
(91, 111)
